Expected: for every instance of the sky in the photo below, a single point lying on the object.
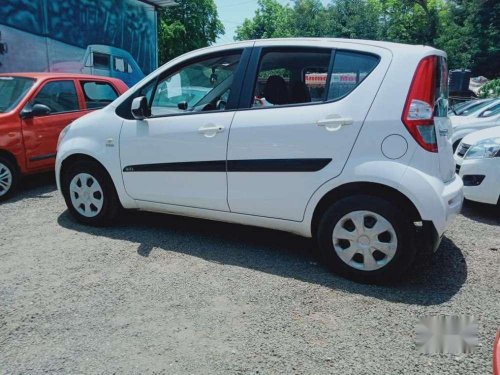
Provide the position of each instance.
(233, 12)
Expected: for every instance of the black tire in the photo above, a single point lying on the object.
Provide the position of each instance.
(455, 145)
(403, 229)
(110, 203)
(11, 168)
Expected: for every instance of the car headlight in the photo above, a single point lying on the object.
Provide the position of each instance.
(62, 135)
(489, 148)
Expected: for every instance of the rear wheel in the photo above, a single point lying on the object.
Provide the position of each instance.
(366, 239)
(90, 194)
(9, 177)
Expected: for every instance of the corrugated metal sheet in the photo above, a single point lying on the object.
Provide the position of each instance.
(160, 3)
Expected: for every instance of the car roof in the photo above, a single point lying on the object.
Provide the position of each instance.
(48, 75)
(375, 43)
(398, 48)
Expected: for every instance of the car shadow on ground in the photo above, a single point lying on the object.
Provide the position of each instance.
(38, 186)
(483, 213)
(277, 253)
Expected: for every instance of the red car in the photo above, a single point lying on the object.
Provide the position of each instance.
(34, 109)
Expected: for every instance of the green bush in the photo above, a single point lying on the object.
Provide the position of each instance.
(490, 89)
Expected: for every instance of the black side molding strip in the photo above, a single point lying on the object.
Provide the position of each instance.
(192, 166)
(43, 157)
(277, 165)
(253, 165)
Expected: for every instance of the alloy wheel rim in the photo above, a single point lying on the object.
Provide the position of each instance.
(5, 179)
(86, 194)
(365, 240)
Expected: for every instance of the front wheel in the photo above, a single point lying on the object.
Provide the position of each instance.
(9, 177)
(90, 194)
(366, 239)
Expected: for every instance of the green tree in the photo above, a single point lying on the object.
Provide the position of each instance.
(307, 18)
(409, 21)
(189, 25)
(491, 89)
(271, 20)
(470, 34)
(352, 19)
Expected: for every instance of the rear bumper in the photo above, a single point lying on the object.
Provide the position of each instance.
(452, 197)
(442, 203)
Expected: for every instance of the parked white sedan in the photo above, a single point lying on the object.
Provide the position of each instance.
(483, 117)
(478, 163)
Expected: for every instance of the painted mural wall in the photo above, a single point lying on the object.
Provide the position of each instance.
(105, 37)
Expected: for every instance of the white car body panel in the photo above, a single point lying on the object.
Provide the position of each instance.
(489, 189)
(375, 148)
(292, 132)
(176, 139)
(464, 125)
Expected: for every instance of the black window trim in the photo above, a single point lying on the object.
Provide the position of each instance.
(123, 109)
(251, 76)
(82, 82)
(245, 79)
(80, 109)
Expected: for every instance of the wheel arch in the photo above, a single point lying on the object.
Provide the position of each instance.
(366, 188)
(74, 158)
(10, 157)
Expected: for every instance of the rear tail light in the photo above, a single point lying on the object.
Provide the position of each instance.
(418, 113)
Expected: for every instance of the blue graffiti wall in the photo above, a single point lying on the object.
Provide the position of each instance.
(104, 37)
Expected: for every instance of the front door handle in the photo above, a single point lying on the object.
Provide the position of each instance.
(211, 130)
(335, 123)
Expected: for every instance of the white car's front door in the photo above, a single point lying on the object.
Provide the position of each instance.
(177, 156)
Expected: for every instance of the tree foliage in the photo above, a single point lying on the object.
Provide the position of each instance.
(468, 30)
(271, 20)
(189, 25)
(490, 89)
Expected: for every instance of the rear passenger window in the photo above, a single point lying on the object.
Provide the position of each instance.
(292, 77)
(59, 96)
(98, 94)
(349, 70)
(120, 64)
(101, 60)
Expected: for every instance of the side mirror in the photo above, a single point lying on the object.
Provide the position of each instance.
(140, 109)
(36, 110)
(182, 105)
(486, 113)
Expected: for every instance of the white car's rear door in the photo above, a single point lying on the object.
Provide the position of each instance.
(281, 150)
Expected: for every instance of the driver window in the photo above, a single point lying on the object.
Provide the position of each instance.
(201, 86)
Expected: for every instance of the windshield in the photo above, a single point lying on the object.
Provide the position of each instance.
(12, 90)
(457, 107)
(492, 111)
(472, 108)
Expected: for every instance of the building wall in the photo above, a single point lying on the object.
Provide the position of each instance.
(57, 35)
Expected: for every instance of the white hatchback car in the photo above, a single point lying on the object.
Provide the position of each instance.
(485, 114)
(346, 141)
(478, 163)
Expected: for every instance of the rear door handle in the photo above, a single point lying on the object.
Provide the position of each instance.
(334, 123)
(211, 130)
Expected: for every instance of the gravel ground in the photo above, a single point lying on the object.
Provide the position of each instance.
(162, 294)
